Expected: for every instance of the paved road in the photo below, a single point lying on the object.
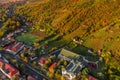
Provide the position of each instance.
(28, 68)
(10, 10)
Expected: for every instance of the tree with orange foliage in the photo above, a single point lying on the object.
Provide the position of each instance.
(26, 59)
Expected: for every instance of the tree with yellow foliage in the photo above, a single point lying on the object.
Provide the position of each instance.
(1, 33)
(22, 55)
(36, 44)
(62, 78)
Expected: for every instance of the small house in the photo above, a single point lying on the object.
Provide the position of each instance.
(51, 68)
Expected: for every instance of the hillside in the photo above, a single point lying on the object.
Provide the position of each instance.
(95, 21)
(81, 26)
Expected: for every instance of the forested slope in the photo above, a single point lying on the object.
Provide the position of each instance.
(95, 21)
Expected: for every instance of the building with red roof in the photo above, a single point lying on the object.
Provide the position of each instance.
(99, 52)
(91, 78)
(30, 78)
(8, 69)
(51, 68)
(42, 61)
(18, 31)
(15, 48)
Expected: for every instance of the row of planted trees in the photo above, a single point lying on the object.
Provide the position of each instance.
(9, 25)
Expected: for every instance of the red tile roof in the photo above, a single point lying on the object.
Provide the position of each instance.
(14, 47)
(53, 66)
(42, 60)
(30, 78)
(17, 47)
(8, 47)
(11, 71)
(91, 78)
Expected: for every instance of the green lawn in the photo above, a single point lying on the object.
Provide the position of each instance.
(27, 38)
(69, 54)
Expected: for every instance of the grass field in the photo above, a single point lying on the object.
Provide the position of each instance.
(27, 38)
(69, 54)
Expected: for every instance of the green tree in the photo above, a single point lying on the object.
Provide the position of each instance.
(84, 74)
(22, 55)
